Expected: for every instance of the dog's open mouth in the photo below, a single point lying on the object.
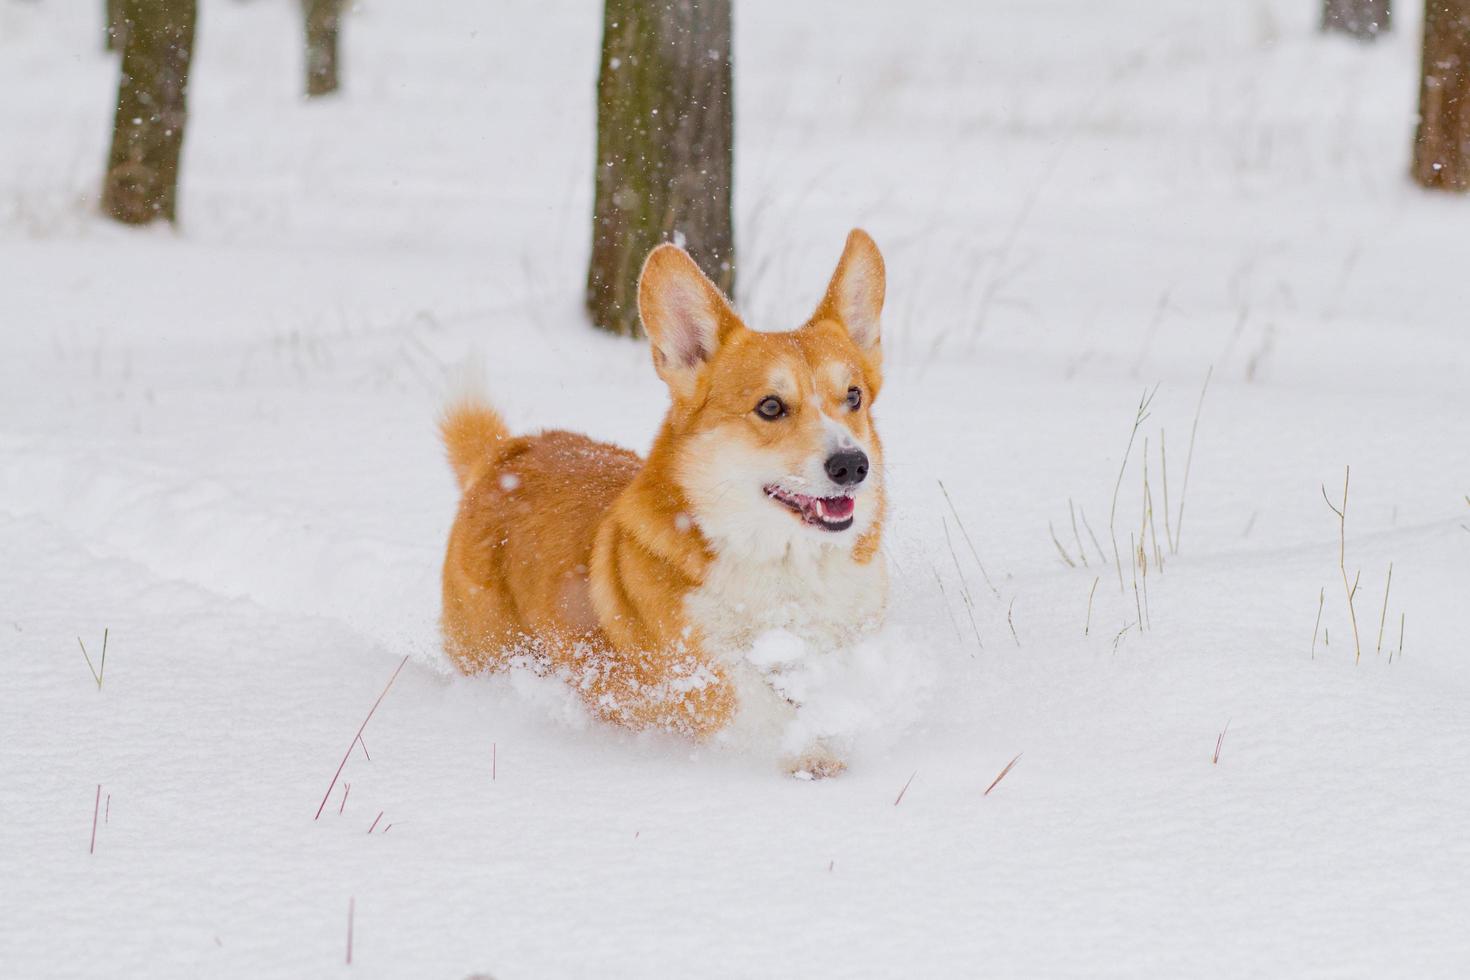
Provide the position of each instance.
(827, 513)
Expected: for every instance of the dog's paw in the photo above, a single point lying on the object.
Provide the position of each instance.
(817, 763)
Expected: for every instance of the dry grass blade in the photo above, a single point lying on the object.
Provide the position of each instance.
(905, 789)
(996, 781)
(1102, 556)
(1347, 587)
(944, 594)
(1137, 602)
(1219, 744)
(1138, 419)
(1164, 473)
(353, 744)
(964, 586)
(1148, 516)
(1148, 618)
(1011, 622)
(1189, 457)
(1087, 627)
(100, 671)
(96, 806)
(1081, 551)
(1321, 598)
(968, 543)
(1383, 619)
(1060, 550)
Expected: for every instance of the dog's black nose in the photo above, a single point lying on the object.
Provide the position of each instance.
(848, 468)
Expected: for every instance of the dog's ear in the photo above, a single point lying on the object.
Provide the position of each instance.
(686, 316)
(855, 294)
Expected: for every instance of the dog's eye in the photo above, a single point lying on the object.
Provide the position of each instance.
(771, 408)
(854, 398)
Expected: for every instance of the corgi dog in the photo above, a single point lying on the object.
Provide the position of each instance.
(760, 506)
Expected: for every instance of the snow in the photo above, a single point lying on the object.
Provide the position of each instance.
(217, 444)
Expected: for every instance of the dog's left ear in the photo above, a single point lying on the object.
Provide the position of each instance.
(686, 316)
(855, 294)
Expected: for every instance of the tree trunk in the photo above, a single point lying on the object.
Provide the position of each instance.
(114, 36)
(1363, 19)
(665, 119)
(1442, 144)
(322, 20)
(142, 178)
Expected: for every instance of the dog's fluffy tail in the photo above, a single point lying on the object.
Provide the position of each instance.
(473, 432)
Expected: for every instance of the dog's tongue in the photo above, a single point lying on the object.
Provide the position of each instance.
(836, 508)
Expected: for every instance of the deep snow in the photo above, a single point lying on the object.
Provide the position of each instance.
(217, 444)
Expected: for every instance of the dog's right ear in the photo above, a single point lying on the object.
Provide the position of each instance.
(686, 316)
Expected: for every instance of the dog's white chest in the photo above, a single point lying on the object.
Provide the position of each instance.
(819, 594)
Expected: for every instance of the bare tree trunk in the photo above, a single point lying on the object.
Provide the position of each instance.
(1363, 19)
(323, 17)
(114, 36)
(142, 178)
(1442, 144)
(665, 120)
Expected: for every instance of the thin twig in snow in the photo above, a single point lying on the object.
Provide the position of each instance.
(905, 788)
(1138, 420)
(95, 805)
(948, 611)
(1102, 556)
(968, 543)
(1164, 470)
(1382, 619)
(1342, 557)
(1081, 551)
(1321, 598)
(1219, 743)
(99, 672)
(1060, 550)
(1189, 458)
(1087, 627)
(997, 779)
(1137, 602)
(355, 738)
(964, 586)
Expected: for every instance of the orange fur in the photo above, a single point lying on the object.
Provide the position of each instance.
(584, 556)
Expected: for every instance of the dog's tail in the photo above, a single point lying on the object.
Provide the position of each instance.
(473, 432)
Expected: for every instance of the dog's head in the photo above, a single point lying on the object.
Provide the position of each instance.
(772, 433)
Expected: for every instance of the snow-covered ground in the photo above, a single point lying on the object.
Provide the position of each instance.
(217, 445)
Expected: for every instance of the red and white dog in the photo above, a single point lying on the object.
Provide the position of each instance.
(760, 506)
